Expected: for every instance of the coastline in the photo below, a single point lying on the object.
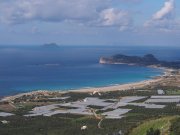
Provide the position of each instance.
(118, 87)
(126, 86)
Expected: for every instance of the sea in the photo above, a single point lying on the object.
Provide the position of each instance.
(28, 68)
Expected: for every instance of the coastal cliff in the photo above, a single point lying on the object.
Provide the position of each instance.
(146, 60)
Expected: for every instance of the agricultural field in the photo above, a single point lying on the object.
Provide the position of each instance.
(119, 112)
(173, 92)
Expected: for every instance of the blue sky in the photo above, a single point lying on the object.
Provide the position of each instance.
(90, 22)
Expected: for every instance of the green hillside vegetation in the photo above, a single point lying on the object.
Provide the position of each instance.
(163, 124)
(175, 127)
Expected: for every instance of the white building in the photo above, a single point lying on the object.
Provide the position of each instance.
(160, 92)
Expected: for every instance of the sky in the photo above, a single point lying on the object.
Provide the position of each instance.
(90, 22)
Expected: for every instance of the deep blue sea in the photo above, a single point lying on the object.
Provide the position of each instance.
(27, 68)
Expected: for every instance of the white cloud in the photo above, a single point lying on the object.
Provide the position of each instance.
(115, 17)
(164, 19)
(82, 11)
(18, 11)
(131, 1)
(34, 30)
(165, 11)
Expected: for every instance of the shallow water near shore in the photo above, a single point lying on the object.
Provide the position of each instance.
(24, 69)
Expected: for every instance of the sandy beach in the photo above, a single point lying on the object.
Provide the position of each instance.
(164, 78)
(128, 86)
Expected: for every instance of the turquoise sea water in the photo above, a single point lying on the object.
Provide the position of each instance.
(30, 68)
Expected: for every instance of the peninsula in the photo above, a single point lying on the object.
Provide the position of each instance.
(146, 60)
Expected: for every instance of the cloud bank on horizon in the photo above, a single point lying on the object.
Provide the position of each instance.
(90, 21)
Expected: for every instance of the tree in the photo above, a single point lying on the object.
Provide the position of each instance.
(151, 131)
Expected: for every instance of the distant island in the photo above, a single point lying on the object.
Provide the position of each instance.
(146, 60)
(50, 45)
